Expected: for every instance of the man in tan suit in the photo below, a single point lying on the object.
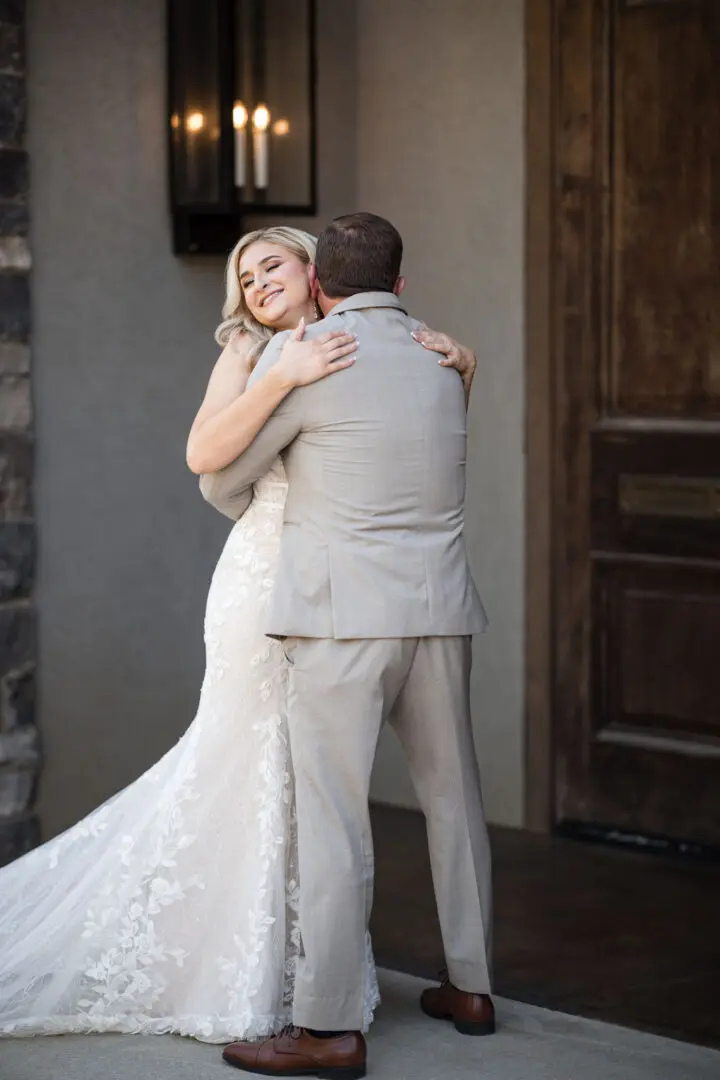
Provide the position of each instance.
(376, 606)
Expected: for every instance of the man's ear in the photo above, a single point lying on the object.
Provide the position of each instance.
(314, 283)
(399, 286)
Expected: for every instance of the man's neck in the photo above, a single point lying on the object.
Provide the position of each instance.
(327, 303)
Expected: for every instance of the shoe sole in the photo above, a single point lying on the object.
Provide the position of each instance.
(354, 1072)
(465, 1027)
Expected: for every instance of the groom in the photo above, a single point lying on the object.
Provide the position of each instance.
(376, 606)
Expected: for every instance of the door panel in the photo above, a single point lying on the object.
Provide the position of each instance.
(637, 454)
(664, 143)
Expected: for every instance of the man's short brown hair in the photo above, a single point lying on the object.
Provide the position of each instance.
(358, 253)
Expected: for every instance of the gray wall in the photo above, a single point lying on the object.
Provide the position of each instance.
(421, 119)
(123, 341)
(440, 152)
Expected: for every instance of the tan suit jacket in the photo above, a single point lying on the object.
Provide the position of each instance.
(373, 543)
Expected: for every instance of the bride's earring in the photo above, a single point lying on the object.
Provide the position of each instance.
(318, 312)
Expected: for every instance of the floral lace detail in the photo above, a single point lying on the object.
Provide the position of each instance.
(174, 906)
(129, 976)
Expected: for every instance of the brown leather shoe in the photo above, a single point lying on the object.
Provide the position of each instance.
(472, 1014)
(295, 1052)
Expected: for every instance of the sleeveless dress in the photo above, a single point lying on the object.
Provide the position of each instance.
(173, 906)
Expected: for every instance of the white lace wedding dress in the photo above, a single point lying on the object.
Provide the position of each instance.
(173, 907)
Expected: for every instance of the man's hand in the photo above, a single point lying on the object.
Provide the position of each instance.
(452, 354)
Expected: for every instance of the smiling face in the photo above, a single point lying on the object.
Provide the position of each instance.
(275, 285)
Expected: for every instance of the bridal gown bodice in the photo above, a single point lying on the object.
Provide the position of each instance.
(173, 907)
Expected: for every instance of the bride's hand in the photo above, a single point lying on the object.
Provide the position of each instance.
(452, 353)
(304, 362)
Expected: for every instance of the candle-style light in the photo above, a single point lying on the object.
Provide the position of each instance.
(240, 119)
(261, 122)
(194, 124)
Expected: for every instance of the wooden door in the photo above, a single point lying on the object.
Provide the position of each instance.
(636, 340)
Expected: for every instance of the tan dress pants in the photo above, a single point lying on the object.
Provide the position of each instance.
(340, 693)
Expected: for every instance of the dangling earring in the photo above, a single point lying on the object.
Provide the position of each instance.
(318, 312)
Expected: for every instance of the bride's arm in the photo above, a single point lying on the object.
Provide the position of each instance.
(232, 414)
(227, 382)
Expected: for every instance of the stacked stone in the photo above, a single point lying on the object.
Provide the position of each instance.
(19, 741)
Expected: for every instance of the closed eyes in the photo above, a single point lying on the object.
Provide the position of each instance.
(246, 282)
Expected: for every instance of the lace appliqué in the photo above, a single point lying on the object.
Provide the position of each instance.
(174, 906)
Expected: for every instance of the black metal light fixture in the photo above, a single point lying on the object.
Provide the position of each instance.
(241, 116)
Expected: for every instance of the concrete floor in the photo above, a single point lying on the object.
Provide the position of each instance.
(531, 1044)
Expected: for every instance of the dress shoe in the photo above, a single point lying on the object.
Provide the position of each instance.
(295, 1052)
(472, 1014)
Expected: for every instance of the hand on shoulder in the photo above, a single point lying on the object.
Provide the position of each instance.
(452, 353)
(307, 361)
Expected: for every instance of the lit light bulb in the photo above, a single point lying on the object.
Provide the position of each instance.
(240, 116)
(261, 118)
(281, 127)
(195, 121)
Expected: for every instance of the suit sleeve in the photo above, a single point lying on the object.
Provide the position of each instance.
(230, 489)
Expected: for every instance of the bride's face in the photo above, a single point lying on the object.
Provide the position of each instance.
(275, 285)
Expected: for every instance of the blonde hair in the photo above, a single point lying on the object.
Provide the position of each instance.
(237, 318)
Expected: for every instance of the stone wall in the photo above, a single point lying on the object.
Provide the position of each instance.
(19, 742)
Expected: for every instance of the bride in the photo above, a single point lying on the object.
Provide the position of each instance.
(173, 906)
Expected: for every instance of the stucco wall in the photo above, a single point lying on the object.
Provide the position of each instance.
(123, 339)
(440, 152)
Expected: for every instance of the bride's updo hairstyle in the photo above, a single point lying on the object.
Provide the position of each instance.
(236, 316)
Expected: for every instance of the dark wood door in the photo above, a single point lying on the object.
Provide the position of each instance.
(637, 401)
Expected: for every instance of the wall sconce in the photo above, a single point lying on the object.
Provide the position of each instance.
(241, 116)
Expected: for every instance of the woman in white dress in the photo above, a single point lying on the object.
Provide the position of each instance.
(173, 907)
